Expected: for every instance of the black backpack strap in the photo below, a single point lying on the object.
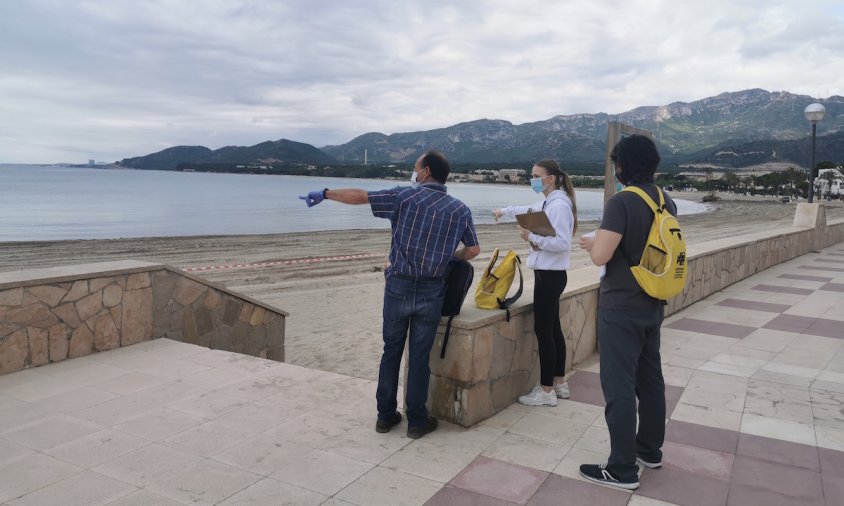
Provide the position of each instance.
(506, 303)
(445, 337)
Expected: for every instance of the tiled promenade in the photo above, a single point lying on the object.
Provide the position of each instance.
(756, 403)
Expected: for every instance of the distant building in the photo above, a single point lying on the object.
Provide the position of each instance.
(822, 182)
(513, 173)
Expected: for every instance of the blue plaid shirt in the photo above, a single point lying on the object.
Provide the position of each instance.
(428, 225)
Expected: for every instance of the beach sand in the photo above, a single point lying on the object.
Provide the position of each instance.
(335, 305)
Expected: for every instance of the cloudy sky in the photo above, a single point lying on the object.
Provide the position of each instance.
(108, 79)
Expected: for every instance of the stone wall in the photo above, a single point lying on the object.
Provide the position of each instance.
(50, 315)
(490, 362)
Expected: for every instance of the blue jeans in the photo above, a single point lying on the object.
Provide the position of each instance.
(415, 306)
(631, 369)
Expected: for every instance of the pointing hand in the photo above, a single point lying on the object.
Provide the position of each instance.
(313, 198)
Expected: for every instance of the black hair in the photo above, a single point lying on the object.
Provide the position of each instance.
(636, 159)
(438, 164)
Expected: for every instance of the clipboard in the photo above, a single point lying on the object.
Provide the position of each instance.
(537, 222)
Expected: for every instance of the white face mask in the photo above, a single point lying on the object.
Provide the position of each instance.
(413, 177)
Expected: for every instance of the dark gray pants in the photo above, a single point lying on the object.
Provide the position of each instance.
(631, 369)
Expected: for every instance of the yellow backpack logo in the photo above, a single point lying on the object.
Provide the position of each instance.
(662, 270)
(491, 292)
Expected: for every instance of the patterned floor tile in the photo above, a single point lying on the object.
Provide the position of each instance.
(586, 388)
(744, 495)
(777, 451)
(672, 397)
(682, 487)
(817, 268)
(790, 323)
(559, 489)
(751, 304)
(805, 277)
(699, 461)
(714, 328)
(501, 480)
(832, 462)
(828, 260)
(783, 289)
(453, 496)
(801, 486)
(701, 436)
(833, 287)
(833, 489)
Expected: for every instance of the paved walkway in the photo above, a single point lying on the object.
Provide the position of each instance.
(756, 403)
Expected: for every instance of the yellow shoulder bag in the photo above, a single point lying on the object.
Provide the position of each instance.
(491, 292)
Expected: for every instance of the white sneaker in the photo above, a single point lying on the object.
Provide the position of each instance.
(538, 397)
(562, 390)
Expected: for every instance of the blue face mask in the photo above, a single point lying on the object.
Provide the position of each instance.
(536, 184)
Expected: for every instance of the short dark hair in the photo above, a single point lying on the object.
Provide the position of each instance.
(438, 164)
(637, 159)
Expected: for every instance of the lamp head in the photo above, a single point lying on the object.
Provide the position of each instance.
(814, 112)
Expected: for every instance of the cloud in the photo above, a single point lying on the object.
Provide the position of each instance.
(112, 79)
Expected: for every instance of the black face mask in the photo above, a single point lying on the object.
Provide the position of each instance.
(621, 176)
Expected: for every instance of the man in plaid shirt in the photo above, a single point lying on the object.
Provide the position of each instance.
(427, 227)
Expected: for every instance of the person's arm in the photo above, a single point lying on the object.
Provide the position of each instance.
(352, 196)
(470, 239)
(512, 211)
(602, 246)
(467, 252)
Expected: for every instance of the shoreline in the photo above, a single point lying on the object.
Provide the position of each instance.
(335, 305)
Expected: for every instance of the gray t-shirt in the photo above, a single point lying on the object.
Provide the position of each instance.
(627, 214)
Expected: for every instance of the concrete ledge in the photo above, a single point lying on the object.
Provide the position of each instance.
(49, 315)
(810, 215)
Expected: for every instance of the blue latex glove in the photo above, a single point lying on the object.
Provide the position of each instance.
(313, 198)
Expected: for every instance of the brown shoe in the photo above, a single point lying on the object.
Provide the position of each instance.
(417, 432)
(383, 426)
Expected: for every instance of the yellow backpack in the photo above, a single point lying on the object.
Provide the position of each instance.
(491, 292)
(662, 270)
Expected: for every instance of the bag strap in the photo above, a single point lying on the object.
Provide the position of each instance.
(647, 198)
(650, 202)
(506, 303)
(491, 264)
(445, 337)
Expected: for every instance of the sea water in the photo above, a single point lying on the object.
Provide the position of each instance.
(40, 203)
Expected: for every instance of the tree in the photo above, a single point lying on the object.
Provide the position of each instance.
(731, 180)
(829, 178)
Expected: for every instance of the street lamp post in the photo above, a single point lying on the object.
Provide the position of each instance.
(814, 113)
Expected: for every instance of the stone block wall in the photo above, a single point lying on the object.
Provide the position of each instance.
(490, 362)
(50, 315)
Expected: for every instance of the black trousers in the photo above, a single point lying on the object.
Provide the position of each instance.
(547, 288)
(630, 370)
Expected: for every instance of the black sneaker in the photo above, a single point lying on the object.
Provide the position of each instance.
(417, 432)
(599, 474)
(649, 465)
(383, 426)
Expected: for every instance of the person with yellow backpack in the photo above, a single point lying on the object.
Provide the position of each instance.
(549, 259)
(641, 273)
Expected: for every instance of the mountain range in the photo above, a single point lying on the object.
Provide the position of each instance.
(750, 126)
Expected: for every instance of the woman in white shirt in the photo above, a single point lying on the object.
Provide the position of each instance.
(549, 259)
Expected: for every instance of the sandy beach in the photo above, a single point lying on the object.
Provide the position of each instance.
(335, 304)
